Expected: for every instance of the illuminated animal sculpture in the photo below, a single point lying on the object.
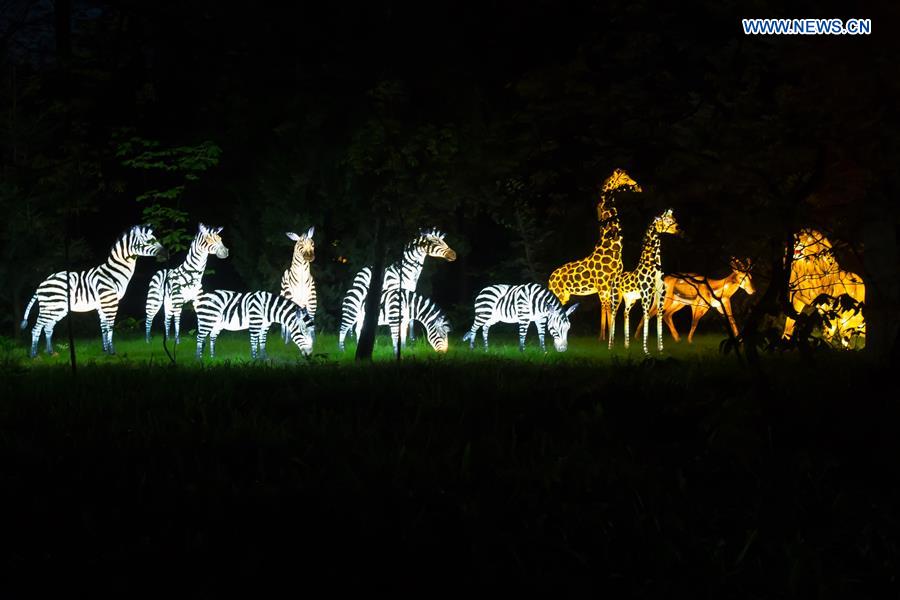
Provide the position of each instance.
(100, 288)
(403, 274)
(645, 283)
(596, 273)
(701, 294)
(415, 307)
(297, 283)
(815, 271)
(521, 304)
(256, 311)
(172, 288)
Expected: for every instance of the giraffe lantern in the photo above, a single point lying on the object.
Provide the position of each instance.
(645, 283)
(597, 273)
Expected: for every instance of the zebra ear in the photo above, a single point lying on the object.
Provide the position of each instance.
(309, 233)
(292, 236)
(219, 229)
(571, 309)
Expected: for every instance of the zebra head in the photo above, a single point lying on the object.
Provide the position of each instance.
(299, 323)
(439, 333)
(558, 324)
(304, 249)
(666, 223)
(140, 241)
(431, 242)
(211, 242)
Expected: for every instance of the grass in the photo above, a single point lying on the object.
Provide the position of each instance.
(681, 474)
(234, 347)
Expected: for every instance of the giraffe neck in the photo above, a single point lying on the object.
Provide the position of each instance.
(650, 251)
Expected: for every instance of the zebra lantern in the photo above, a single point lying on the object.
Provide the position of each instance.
(100, 288)
(521, 304)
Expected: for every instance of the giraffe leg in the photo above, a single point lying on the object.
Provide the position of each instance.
(659, 327)
(614, 308)
(626, 331)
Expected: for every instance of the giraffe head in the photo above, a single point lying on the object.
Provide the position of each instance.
(431, 242)
(558, 325)
(210, 241)
(740, 269)
(666, 223)
(620, 180)
(810, 244)
(304, 248)
(140, 241)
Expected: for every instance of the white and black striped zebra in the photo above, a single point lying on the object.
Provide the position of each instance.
(297, 283)
(172, 288)
(100, 288)
(403, 274)
(256, 311)
(414, 308)
(521, 304)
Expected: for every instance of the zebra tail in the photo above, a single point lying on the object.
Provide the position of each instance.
(24, 323)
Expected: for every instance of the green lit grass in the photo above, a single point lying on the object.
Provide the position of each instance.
(234, 348)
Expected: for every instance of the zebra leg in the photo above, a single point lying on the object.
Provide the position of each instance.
(541, 325)
(35, 336)
(111, 312)
(261, 340)
(412, 331)
(48, 336)
(253, 344)
(523, 331)
(212, 343)
(177, 314)
(201, 337)
(484, 333)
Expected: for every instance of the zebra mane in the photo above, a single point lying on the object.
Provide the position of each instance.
(433, 232)
(143, 228)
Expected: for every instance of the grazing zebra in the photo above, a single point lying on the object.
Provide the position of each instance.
(256, 311)
(171, 288)
(100, 288)
(403, 274)
(521, 304)
(415, 308)
(297, 282)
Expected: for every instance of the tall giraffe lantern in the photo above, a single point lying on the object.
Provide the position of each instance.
(597, 273)
(645, 283)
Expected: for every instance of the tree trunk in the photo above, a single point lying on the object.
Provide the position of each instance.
(882, 270)
(366, 342)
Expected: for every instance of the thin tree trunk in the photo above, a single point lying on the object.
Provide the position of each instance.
(72, 357)
(882, 267)
(366, 342)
